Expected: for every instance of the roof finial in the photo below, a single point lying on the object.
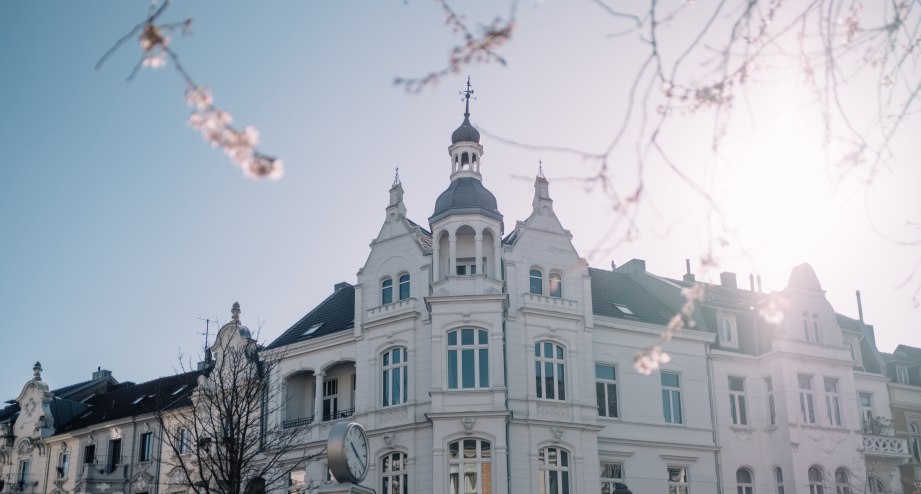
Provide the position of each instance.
(37, 369)
(396, 177)
(540, 168)
(466, 96)
(235, 312)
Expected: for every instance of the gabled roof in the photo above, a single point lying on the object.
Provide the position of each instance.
(129, 399)
(74, 392)
(336, 313)
(613, 292)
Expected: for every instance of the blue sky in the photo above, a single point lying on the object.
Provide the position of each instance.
(121, 227)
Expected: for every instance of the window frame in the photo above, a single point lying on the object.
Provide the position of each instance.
(771, 404)
(330, 395)
(816, 485)
(738, 408)
(914, 440)
(389, 473)
(611, 481)
(555, 284)
(145, 446)
(832, 402)
(386, 291)
(668, 410)
(182, 437)
(842, 487)
(24, 471)
(535, 278)
(63, 468)
(743, 487)
(778, 480)
(606, 385)
(393, 371)
(866, 411)
(901, 374)
(726, 323)
(479, 461)
(556, 363)
(562, 469)
(806, 400)
(402, 284)
(480, 349)
(682, 485)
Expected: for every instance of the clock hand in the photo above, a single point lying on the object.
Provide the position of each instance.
(357, 456)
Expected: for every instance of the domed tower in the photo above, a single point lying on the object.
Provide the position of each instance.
(466, 224)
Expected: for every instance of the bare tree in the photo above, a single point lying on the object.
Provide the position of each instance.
(220, 434)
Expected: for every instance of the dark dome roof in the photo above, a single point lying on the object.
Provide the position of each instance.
(466, 195)
(465, 132)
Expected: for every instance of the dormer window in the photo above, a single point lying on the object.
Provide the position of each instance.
(901, 374)
(811, 331)
(726, 330)
(312, 329)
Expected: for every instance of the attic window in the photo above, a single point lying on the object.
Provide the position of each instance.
(138, 400)
(624, 309)
(87, 414)
(312, 329)
(179, 390)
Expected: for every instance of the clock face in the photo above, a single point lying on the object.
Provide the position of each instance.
(356, 452)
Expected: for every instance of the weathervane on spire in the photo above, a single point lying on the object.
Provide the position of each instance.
(466, 97)
(540, 168)
(396, 177)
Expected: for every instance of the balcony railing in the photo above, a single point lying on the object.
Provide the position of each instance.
(340, 414)
(885, 446)
(291, 423)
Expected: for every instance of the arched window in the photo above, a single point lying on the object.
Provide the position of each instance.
(876, 486)
(554, 470)
(816, 334)
(394, 376)
(778, 480)
(537, 282)
(468, 358)
(914, 435)
(386, 291)
(744, 482)
(465, 158)
(255, 486)
(816, 480)
(556, 285)
(550, 370)
(404, 287)
(394, 474)
(842, 482)
(470, 460)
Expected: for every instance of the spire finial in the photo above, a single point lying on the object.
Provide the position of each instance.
(396, 176)
(466, 96)
(540, 168)
(37, 370)
(235, 312)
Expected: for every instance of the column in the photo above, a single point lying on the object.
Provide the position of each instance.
(479, 253)
(318, 397)
(452, 254)
(436, 261)
(497, 264)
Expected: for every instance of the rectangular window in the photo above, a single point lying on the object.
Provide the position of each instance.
(63, 465)
(146, 447)
(183, 441)
(737, 407)
(901, 374)
(611, 474)
(678, 480)
(606, 390)
(468, 358)
(769, 388)
(671, 398)
(330, 398)
(466, 266)
(726, 329)
(24, 467)
(89, 453)
(865, 400)
(115, 454)
(806, 403)
(832, 402)
(549, 363)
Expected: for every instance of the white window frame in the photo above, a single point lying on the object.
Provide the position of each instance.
(616, 470)
(806, 399)
(842, 481)
(778, 480)
(914, 440)
(145, 446)
(331, 396)
(558, 469)
(25, 467)
(459, 460)
(745, 487)
(182, 437)
(550, 372)
(480, 351)
(403, 281)
(387, 291)
(875, 485)
(832, 402)
(738, 408)
(539, 279)
(671, 394)
(901, 374)
(605, 389)
(727, 331)
(393, 371)
(468, 266)
(680, 482)
(394, 470)
(63, 464)
(866, 410)
(555, 284)
(816, 485)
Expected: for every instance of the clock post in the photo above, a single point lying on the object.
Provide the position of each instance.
(348, 455)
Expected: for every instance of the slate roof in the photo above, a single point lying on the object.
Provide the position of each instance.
(466, 132)
(75, 392)
(610, 289)
(336, 313)
(466, 195)
(129, 399)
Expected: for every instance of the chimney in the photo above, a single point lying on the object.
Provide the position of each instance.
(728, 280)
(859, 307)
(759, 284)
(688, 276)
(101, 373)
(340, 286)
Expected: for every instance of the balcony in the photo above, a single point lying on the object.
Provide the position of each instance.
(885, 446)
(555, 304)
(301, 422)
(472, 284)
(386, 311)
